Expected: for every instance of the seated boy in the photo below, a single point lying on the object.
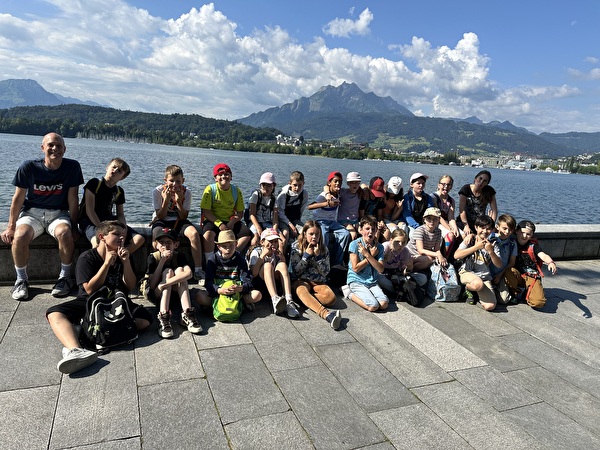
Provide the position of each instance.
(106, 265)
(291, 204)
(172, 201)
(227, 264)
(350, 201)
(478, 253)
(222, 210)
(507, 246)
(366, 263)
(527, 273)
(99, 198)
(426, 242)
(170, 271)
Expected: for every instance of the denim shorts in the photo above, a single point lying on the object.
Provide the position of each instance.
(370, 295)
(44, 220)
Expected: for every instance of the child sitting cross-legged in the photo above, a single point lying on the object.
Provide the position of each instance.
(227, 264)
(169, 272)
(477, 253)
(267, 263)
(366, 263)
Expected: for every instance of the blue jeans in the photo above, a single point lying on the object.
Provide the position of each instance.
(342, 240)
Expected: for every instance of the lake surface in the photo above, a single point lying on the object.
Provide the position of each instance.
(538, 196)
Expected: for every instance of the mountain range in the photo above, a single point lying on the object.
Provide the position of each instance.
(347, 114)
(30, 93)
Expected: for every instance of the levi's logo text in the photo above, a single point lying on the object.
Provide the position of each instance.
(50, 189)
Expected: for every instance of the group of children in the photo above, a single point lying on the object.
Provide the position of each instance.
(375, 231)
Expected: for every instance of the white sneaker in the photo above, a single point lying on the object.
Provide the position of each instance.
(335, 319)
(20, 290)
(346, 292)
(279, 304)
(76, 359)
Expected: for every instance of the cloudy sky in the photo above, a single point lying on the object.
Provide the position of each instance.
(532, 62)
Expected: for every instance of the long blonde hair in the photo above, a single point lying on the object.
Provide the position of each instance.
(302, 241)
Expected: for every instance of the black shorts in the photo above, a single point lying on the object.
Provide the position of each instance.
(239, 229)
(180, 228)
(74, 310)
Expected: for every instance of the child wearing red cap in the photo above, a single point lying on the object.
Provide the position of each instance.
(222, 207)
(325, 209)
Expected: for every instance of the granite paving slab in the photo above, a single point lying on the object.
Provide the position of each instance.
(486, 347)
(317, 331)
(580, 406)
(430, 341)
(98, 403)
(401, 358)
(219, 334)
(564, 432)
(26, 417)
(121, 444)
(161, 360)
(476, 421)
(327, 412)
(416, 427)
(569, 343)
(29, 354)
(359, 371)
(496, 389)
(280, 344)
(573, 371)
(489, 324)
(186, 402)
(241, 384)
(5, 318)
(273, 432)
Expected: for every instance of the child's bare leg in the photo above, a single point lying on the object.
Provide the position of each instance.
(422, 262)
(202, 298)
(209, 241)
(184, 292)
(282, 274)
(195, 244)
(63, 330)
(165, 294)
(243, 242)
(136, 242)
(267, 273)
(252, 297)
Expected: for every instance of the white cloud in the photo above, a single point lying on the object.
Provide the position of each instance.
(200, 63)
(347, 27)
(592, 60)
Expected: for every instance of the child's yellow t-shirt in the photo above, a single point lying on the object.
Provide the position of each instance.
(222, 206)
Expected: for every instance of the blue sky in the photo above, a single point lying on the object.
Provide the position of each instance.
(535, 63)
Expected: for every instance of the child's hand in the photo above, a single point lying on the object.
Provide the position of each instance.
(110, 257)
(374, 251)
(166, 254)
(123, 253)
(161, 286)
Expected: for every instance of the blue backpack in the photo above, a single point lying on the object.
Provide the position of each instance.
(443, 285)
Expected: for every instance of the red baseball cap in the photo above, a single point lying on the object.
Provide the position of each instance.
(222, 167)
(377, 187)
(332, 175)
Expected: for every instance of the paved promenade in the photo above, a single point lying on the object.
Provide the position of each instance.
(441, 376)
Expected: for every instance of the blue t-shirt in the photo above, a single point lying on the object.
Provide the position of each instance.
(48, 188)
(369, 274)
(507, 248)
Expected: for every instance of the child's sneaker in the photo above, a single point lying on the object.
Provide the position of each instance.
(291, 310)
(335, 319)
(76, 359)
(20, 290)
(279, 304)
(469, 297)
(188, 320)
(199, 275)
(165, 330)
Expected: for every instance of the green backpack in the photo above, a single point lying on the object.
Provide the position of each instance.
(227, 308)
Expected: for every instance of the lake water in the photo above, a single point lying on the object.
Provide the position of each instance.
(538, 196)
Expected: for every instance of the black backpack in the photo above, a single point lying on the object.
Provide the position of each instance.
(108, 321)
(408, 289)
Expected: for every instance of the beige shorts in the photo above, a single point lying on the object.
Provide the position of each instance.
(44, 220)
